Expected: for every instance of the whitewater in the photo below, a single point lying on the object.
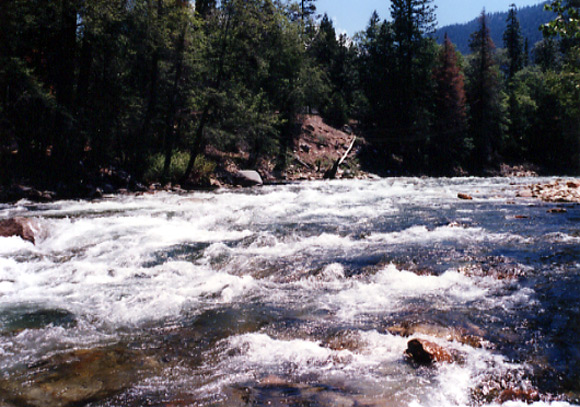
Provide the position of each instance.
(301, 295)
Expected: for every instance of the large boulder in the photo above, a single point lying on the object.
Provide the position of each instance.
(24, 228)
(248, 178)
(425, 353)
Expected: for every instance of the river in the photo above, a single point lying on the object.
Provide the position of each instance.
(295, 295)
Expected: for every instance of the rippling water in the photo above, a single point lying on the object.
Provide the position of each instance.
(304, 295)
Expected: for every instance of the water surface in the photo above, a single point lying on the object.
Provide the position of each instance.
(298, 295)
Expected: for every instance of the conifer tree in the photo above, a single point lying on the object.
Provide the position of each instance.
(413, 83)
(448, 144)
(483, 95)
(514, 43)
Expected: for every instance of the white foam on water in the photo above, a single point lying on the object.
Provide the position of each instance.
(377, 366)
(13, 244)
(392, 289)
(112, 263)
(421, 234)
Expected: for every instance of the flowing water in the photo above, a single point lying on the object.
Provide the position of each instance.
(301, 295)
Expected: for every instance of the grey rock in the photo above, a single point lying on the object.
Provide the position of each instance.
(248, 178)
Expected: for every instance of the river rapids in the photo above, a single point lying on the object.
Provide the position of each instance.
(294, 295)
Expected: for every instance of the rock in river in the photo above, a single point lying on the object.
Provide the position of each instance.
(76, 378)
(248, 178)
(424, 352)
(22, 227)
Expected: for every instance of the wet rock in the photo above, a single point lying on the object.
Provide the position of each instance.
(529, 396)
(558, 191)
(499, 268)
(334, 399)
(77, 378)
(426, 353)
(464, 197)
(526, 193)
(277, 391)
(24, 228)
(461, 335)
(557, 210)
(344, 340)
(518, 171)
(248, 178)
(18, 192)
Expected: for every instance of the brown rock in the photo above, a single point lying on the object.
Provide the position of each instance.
(528, 396)
(424, 352)
(449, 334)
(24, 228)
(77, 378)
(464, 197)
(526, 193)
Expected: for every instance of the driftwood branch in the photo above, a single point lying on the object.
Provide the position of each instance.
(331, 173)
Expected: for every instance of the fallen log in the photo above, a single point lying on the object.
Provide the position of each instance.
(331, 173)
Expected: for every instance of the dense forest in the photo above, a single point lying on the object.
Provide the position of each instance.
(148, 86)
(530, 19)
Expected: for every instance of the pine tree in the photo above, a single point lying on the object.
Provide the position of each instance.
(514, 43)
(483, 96)
(413, 83)
(450, 124)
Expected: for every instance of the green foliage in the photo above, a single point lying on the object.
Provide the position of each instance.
(202, 171)
(147, 85)
(514, 43)
(567, 22)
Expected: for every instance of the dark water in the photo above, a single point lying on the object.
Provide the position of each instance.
(299, 295)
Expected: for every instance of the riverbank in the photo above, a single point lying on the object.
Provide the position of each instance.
(314, 152)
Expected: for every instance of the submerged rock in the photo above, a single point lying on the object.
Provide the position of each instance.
(557, 210)
(24, 228)
(344, 340)
(426, 353)
(76, 378)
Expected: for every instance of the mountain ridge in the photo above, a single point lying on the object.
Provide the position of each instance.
(531, 19)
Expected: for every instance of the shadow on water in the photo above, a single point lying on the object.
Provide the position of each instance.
(14, 320)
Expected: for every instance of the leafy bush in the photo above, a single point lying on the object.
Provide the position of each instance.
(202, 169)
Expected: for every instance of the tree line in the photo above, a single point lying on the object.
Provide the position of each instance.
(149, 86)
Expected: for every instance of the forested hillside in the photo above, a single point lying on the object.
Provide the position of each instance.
(531, 18)
(90, 89)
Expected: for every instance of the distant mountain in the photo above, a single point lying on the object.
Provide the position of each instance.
(531, 18)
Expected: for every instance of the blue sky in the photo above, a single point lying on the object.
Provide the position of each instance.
(352, 16)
